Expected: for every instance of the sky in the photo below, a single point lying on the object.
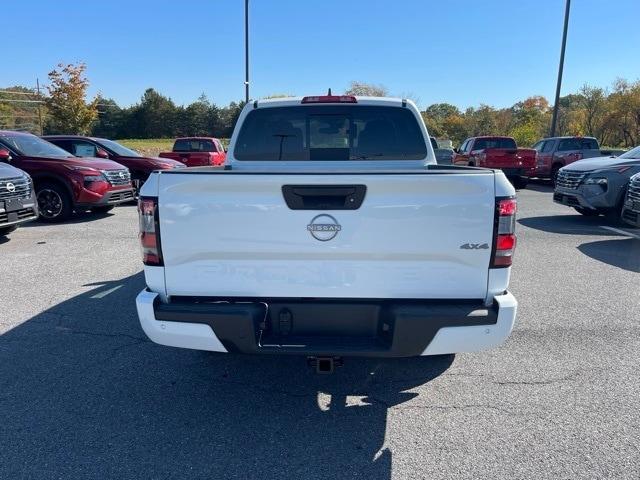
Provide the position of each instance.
(464, 52)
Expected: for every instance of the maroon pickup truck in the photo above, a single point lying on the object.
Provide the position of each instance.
(197, 151)
(518, 164)
(64, 183)
(139, 166)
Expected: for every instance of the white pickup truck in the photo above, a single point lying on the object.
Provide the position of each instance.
(330, 232)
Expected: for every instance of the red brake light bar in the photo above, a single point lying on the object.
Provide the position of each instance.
(330, 99)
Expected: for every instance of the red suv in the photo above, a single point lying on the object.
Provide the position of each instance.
(139, 166)
(64, 183)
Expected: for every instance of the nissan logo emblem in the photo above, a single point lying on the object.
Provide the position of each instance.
(10, 187)
(324, 227)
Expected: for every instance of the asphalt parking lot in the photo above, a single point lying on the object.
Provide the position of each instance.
(84, 394)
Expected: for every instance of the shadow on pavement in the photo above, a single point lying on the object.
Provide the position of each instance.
(82, 216)
(540, 186)
(623, 254)
(83, 393)
(568, 224)
(77, 217)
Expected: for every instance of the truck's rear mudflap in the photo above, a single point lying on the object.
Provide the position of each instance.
(311, 327)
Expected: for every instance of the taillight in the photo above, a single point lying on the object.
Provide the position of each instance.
(330, 99)
(504, 233)
(149, 231)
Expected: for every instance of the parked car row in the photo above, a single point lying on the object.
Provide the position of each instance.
(52, 176)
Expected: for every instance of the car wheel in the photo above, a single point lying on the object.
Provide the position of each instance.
(7, 230)
(614, 215)
(102, 208)
(587, 212)
(54, 203)
(519, 183)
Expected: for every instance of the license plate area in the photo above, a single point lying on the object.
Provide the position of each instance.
(12, 204)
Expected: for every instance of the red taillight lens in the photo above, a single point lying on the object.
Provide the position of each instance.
(504, 233)
(507, 207)
(330, 99)
(149, 231)
(506, 242)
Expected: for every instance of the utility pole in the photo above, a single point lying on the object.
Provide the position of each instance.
(246, 51)
(554, 119)
(39, 105)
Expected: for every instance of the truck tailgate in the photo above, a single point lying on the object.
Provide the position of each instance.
(510, 158)
(228, 234)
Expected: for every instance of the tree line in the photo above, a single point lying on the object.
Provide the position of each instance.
(612, 115)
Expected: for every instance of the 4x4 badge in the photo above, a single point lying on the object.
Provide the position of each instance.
(475, 246)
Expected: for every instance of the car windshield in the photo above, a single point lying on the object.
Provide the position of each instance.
(32, 146)
(633, 153)
(330, 132)
(117, 148)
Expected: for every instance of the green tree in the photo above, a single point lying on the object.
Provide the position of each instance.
(68, 109)
(110, 119)
(228, 118)
(156, 116)
(198, 118)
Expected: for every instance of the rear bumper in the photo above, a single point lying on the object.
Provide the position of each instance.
(343, 328)
(516, 172)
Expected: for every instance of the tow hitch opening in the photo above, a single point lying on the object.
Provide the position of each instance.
(324, 365)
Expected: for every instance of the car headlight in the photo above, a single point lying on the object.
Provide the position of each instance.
(596, 181)
(94, 178)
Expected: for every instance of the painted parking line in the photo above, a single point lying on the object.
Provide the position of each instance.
(106, 292)
(621, 232)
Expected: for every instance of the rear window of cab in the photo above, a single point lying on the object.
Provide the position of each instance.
(193, 145)
(330, 132)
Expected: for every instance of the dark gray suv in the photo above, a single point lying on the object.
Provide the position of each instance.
(631, 208)
(17, 199)
(598, 185)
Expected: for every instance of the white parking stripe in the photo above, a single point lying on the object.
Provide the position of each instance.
(621, 232)
(106, 292)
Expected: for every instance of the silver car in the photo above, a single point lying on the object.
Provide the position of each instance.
(631, 208)
(597, 186)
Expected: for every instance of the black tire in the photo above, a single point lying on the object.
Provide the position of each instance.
(7, 230)
(102, 208)
(554, 174)
(614, 216)
(54, 202)
(587, 212)
(519, 183)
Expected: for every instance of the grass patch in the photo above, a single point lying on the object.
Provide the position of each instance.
(148, 146)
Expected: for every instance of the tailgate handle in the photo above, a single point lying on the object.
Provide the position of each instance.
(324, 197)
